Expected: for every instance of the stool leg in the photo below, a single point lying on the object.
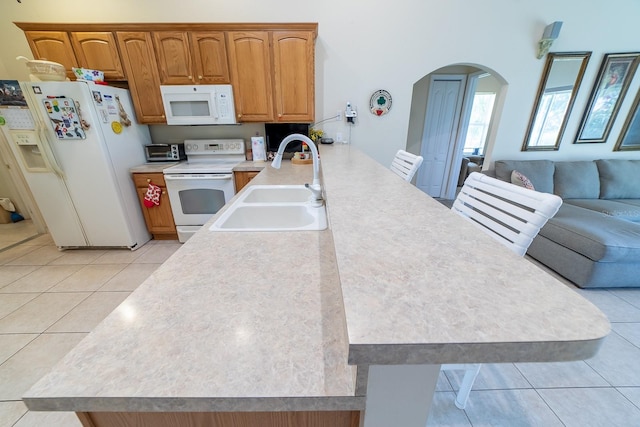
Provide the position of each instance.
(465, 387)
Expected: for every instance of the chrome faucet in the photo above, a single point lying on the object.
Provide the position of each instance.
(314, 187)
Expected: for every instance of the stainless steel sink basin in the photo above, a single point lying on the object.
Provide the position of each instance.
(272, 208)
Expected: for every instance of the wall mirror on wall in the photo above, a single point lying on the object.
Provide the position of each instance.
(559, 85)
(630, 135)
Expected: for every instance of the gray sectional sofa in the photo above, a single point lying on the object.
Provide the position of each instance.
(594, 239)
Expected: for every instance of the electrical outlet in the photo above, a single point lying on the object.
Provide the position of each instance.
(339, 115)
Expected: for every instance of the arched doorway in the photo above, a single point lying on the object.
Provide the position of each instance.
(441, 119)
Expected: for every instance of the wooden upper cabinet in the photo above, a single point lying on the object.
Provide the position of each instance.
(209, 53)
(174, 58)
(52, 46)
(270, 66)
(139, 61)
(191, 57)
(294, 70)
(250, 66)
(97, 50)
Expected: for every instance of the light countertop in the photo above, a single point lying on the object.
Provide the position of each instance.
(250, 166)
(269, 321)
(152, 167)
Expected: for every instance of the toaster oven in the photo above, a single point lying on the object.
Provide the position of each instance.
(164, 152)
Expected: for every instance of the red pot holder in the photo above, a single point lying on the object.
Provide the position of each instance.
(152, 196)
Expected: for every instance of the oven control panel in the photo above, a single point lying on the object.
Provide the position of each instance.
(213, 146)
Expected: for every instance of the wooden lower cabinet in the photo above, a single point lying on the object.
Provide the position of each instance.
(221, 419)
(159, 219)
(242, 178)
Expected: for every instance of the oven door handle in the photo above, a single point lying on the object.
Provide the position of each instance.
(178, 177)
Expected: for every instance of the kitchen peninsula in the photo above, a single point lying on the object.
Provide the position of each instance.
(304, 324)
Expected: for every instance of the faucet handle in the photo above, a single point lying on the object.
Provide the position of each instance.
(316, 194)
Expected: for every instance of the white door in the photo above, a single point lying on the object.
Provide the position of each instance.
(444, 104)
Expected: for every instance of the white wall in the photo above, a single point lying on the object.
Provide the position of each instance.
(374, 44)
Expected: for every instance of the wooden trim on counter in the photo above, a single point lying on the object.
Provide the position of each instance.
(169, 26)
(221, 419)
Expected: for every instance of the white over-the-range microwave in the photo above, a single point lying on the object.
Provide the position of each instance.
(198, 104)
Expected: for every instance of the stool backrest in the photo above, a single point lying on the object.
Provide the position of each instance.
(509, 213)
(406, 164)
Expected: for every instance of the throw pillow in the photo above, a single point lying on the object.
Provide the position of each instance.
(520, 180)
(539, 172)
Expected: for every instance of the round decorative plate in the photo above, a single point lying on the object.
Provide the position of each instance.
(380, 102)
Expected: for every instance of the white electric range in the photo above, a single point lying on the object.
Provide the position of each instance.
(200, 187)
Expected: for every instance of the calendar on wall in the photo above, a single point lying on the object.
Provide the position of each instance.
(17, 118)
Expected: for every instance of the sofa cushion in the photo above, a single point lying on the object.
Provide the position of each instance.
(576, 180)
(618, 179)
(539, 172)
(594, 235)
(615, 208)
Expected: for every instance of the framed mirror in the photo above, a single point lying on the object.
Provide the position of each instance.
(629, 138)
(559, 85)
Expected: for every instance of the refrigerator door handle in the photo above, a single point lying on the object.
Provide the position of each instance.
(48, 154)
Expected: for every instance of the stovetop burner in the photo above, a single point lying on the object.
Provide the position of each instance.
(210, 156)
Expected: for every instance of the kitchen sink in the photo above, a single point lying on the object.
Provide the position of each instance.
(272, 208)
(277, 193)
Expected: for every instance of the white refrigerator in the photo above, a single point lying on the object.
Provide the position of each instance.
(76, 160)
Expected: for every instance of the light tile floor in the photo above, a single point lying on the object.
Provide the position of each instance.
(15, 232)
(603, 391)
(50, 299)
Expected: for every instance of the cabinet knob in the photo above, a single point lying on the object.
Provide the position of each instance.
(279, 115)
(200, 77)
(148, 179)
(164, 192)
(190, 78)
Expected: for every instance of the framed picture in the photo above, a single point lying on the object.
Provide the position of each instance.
(630, 135)
(613, 80)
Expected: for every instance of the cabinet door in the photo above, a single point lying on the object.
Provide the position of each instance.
(98, 51)
(139, 61)
(52, 46)
(250, 65)
(242, 178)
(159, 218)
(174, 59)
(209, 53)
(293, 59)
